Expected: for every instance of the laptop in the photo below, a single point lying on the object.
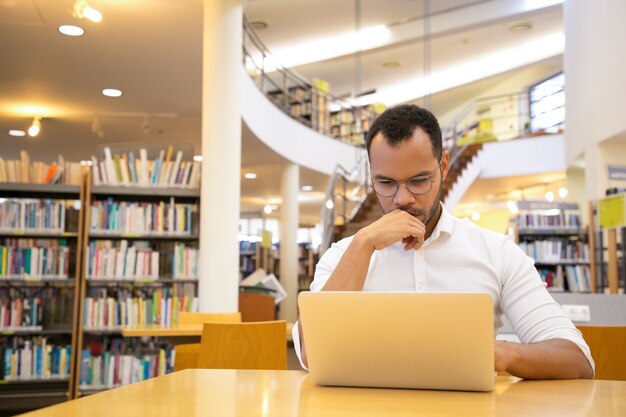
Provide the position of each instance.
(437, 341)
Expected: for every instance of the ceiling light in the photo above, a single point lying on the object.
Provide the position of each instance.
(112, 92)
(35, 128)
(563, 192)
(512, 206)
(326, 48)
(329, 204)
(198, 158)
(258, 24)
(250, 176)
(71, 30)
(475, 216)
(307, 188)
(520, 26)
(267, 209)
(82, 9)
(549, 196)
(390, 63)
(17, 133)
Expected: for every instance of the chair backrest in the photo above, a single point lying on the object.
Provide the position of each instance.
(252, 345)
(608, 350)
(256, 307)
(185, 317)
(187, 354)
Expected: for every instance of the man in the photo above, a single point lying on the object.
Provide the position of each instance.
(418, 246)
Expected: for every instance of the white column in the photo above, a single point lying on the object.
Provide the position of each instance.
(289, 216)
(221, 152)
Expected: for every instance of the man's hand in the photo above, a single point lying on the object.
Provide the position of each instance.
(393, 227)
(549, 359)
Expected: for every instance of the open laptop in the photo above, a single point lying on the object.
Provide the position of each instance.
(399, 340)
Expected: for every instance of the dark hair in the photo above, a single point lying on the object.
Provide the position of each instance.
(398, 123)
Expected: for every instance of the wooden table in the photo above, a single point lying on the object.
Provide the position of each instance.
(217, 392)
(181, 330)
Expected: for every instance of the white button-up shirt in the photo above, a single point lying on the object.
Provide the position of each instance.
(461, 257)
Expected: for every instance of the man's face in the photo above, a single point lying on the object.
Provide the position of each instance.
(411, 158)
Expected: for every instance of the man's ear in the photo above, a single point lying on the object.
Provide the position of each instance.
(445, 160)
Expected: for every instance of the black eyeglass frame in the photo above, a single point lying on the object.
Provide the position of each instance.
(430, 178)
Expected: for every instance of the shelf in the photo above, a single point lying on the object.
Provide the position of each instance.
(90, 389)
(16, 189)
(103, 331)
(106, 190)
(20, 381)
(138, 236)
(247, 252)
(551, 232)
(556, 263)
(38, 234)
(36, 330)
(94, 282)
(37, 281)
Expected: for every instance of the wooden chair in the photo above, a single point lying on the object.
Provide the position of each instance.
(256, 307)
(187, 354)
(608, 350)
(252, 345)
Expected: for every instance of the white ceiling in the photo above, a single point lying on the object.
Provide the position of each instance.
(151, 49)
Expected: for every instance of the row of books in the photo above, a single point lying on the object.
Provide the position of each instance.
(28, 214)
(123, 361)
(41, 258)
(110, 216)
(33, 359)
(301, 109)
(107, 259)
(17, 311)
(127, 169)
(186, 261)
(111, 308)
(247, 265)
(578, 278)
(562, 220)
(23, 171)
(556, 250)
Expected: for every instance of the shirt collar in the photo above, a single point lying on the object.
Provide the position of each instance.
(444, 225)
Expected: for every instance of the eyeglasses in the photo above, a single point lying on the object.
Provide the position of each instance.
(416, 185)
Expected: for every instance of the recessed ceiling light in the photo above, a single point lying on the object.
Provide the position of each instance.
(17, 133)
(71, 30)
(390, 63)
(112, 92)
(307, 188)
(249, 175)
(198, 158)
(258, 24)
(520, 26)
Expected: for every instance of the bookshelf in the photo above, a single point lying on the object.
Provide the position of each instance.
(553, 235)
(39, 244)
(350, 125)
(140, 269)
(608, 242)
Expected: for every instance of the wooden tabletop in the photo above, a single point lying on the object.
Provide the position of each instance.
(217, 392)
(173, 331)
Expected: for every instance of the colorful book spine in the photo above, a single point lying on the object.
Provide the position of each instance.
(31, 359)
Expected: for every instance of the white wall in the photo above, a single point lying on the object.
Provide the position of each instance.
(290, 139)
(594, 65)
(523, 157)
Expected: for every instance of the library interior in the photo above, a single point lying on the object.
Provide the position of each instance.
(171, 173)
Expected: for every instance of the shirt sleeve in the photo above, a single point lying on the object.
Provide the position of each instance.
(323, 270)
(530, 309)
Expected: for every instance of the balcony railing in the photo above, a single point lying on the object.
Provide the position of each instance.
(307, 101)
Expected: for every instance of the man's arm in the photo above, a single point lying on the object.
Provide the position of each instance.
(549, 359)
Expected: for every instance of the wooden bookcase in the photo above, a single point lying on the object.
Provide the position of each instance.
(51, 371)
(553, 235)
(104, 341)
